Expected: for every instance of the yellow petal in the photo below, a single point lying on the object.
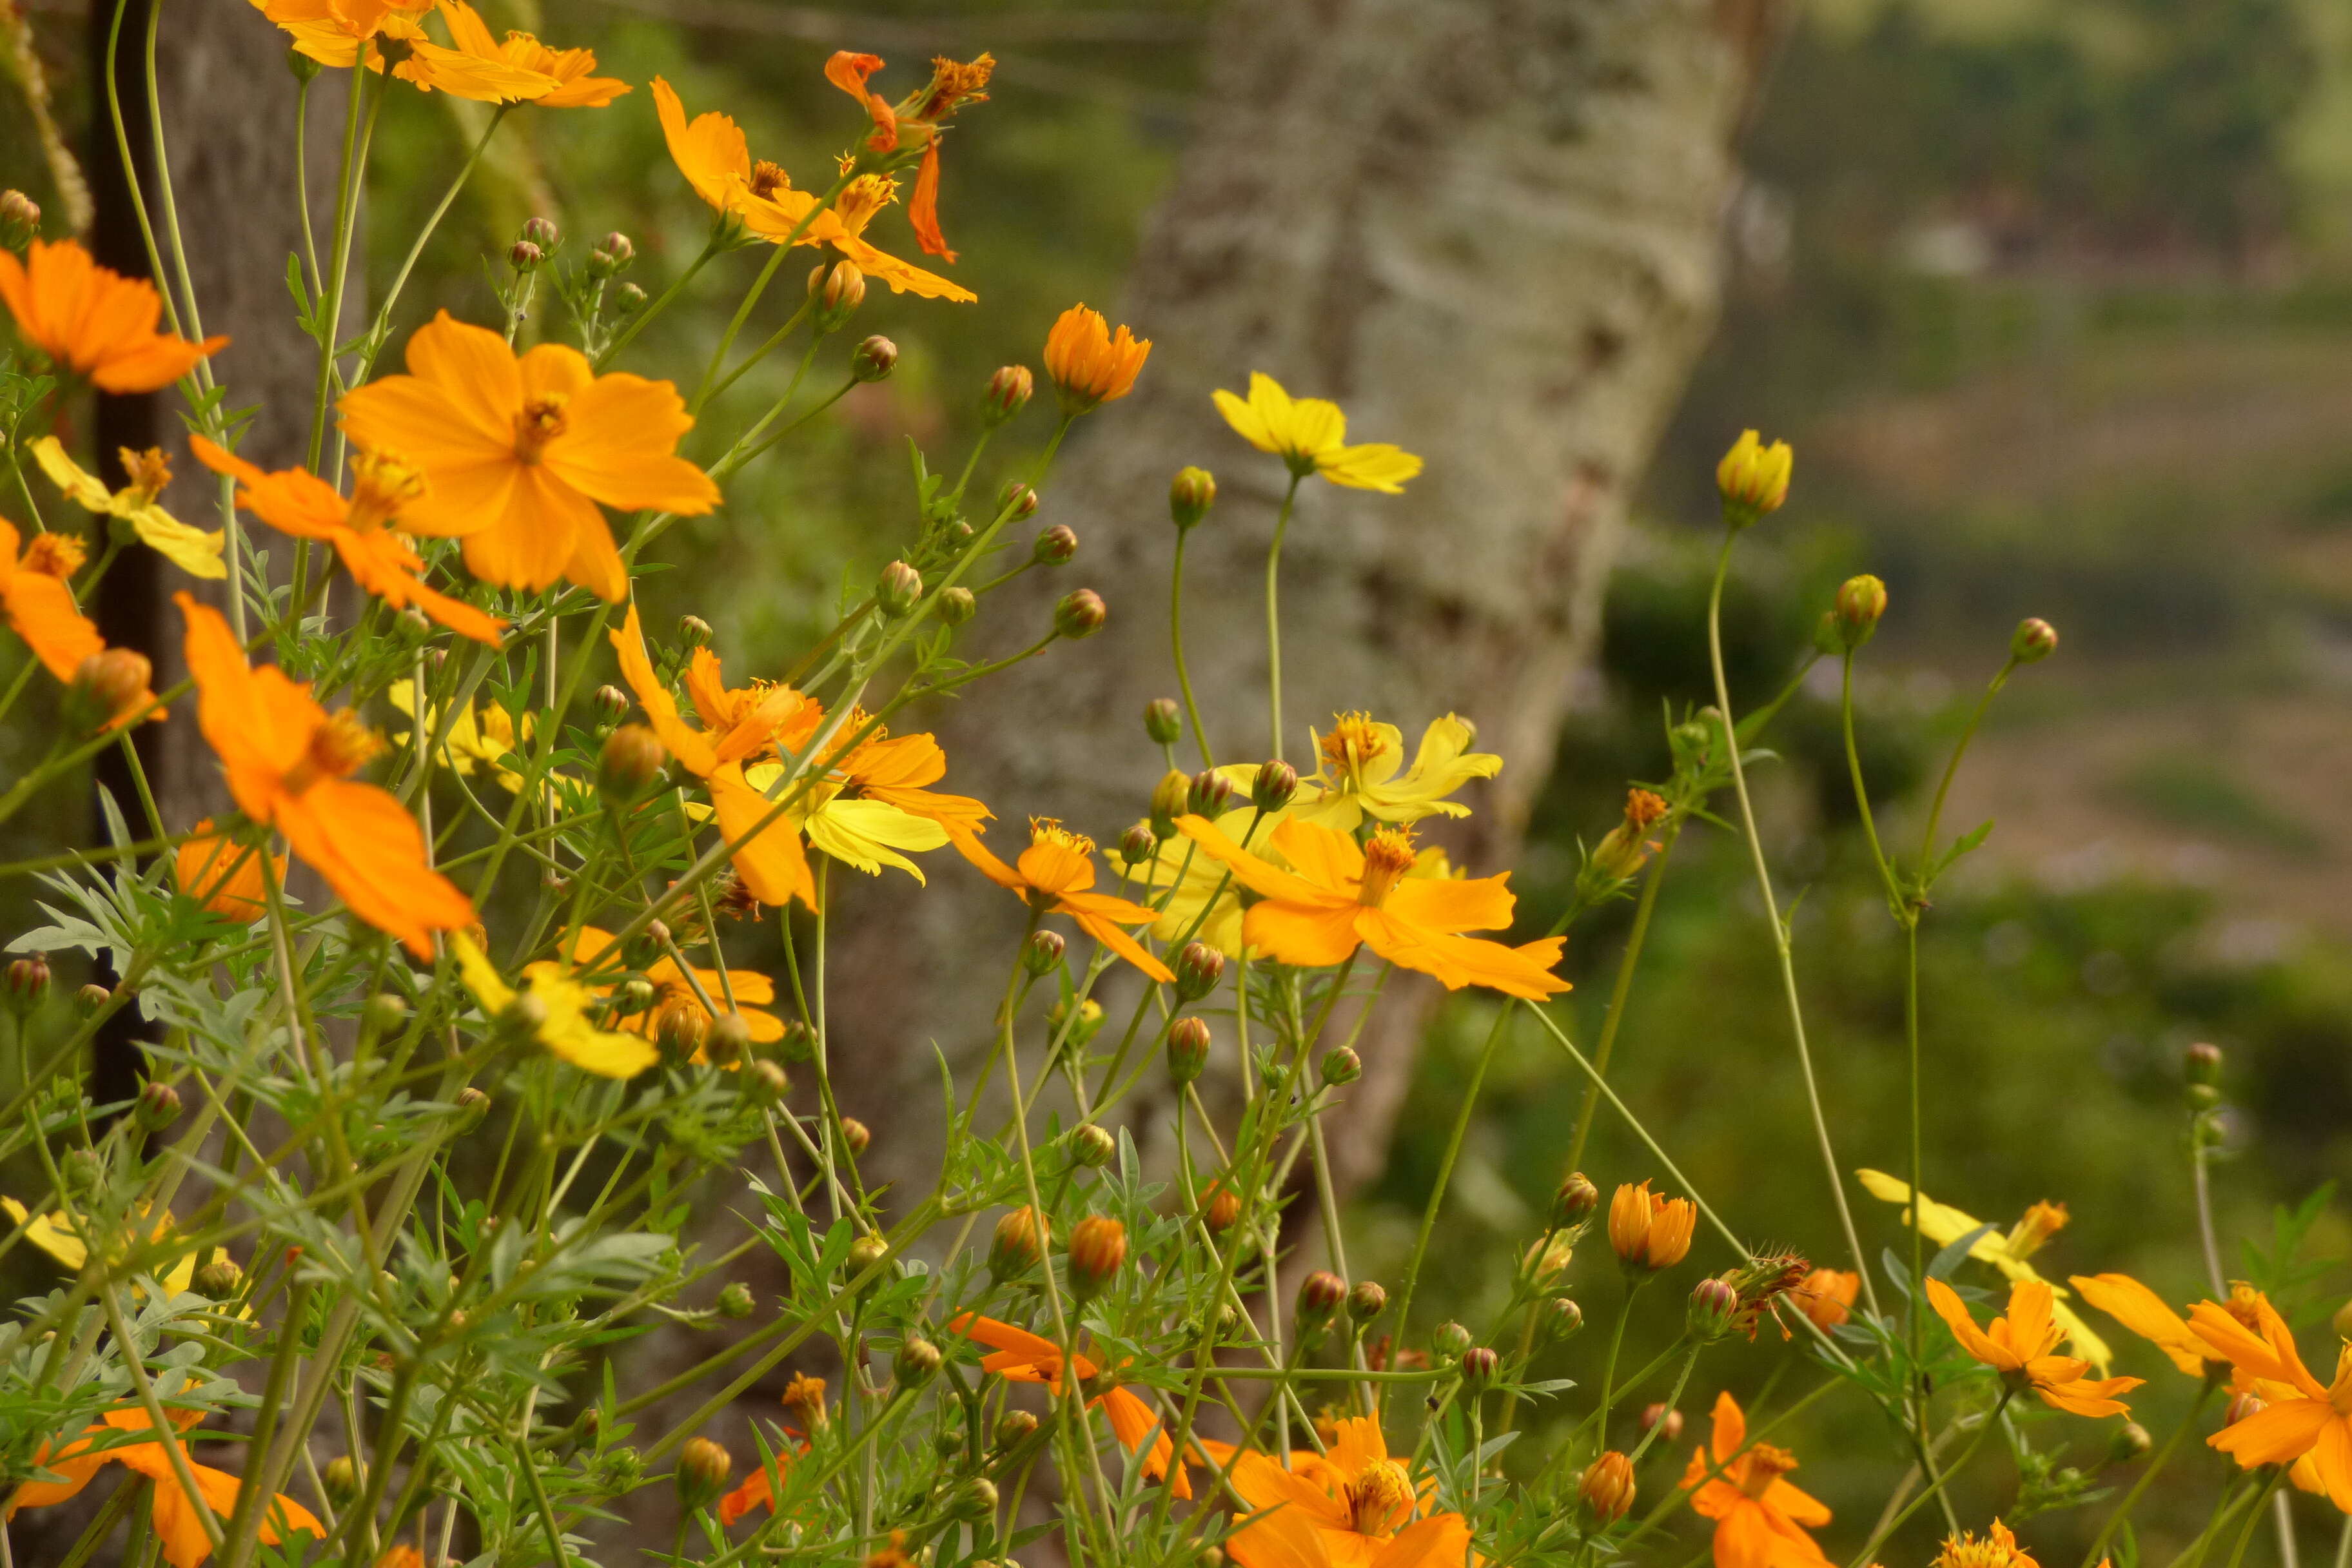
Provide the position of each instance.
(569, 1035)
(1375, 466)
(481, 977)
(868, 834)
(79, 486)
(189, 548)
(50, 1234)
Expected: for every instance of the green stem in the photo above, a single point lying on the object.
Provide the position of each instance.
(346, 221)
(1176, 636)
(1952, 767)
(1274, 614)
(2155, 1468)
(1622, 987)
(1870, 1550)
(448, 197)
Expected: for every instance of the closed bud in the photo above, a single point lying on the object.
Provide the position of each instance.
(1097, 1252)
(799, 1044)
(764, 1083)
(856, 1136)
(83, 1172)
(1652, 1416)
(1753, 479)
(679, 1033)
(1713, 1306)
(90, 998)
(1368, 1299)
(1076, 1030)
(1222, 1210)
(105, 685)
(1138, 845)
(2034, 640)
(2130, 1441)
(1041, 953)
(694, 631)
(1199, 967)
(628, 299)
(1861, 601)
(342, 1478)
(729, 1040)
(917, 1361)
(1018, 1244)
(525, 257)
(1080, 615)
(1188, 1048)
(735, 1301)
(473, 1104)
(636, 996)
(865, 1252)
(1320, 1295)
(542, 233)
(20, 219)
(873, 359)
(957, 605)
(1055, 546)
(2202, 1063)
(974, 1499)
(603, 264)
(612, 703)
(1092, 1146)
(702, 1468)
(1607, 1487)
(835, 294)
(1559, 1317)
(1190, 494)
(1007, 393)
(1575, 1200)
(1449, 1340)
(1016, 500)
(617, 246)
(219, 1280)
(1013, 1426)
(1341, 1066)
(1209, 793)
(159, 1107)
(28, 978)
(1275, 784)
(898, 588)
(1479, 1365)
(1170, 798)
(629, 762)
(2244, 1405)
(620, 1470)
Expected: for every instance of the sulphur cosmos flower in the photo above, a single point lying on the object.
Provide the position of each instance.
(1087, 365)
(2019, 1346)
(191, 549)
(93, 322)
(564, 1026)
(1310, 434)
(1357, 776)
(1760, 1520)
(675, 994)
(479, 737)
(66, 1240)
(2304, 1423)
(1350, 1506)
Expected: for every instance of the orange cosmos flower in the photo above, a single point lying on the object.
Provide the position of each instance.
(717, 162)
(288, 762)
(2303, 1422)
(1996, 1548)
(518, 451)
(1650, 1230)
(1020, 1356)
(334, 32)
(756, 1490)
(1089, 366)
(1055, 874)
(1826, 1296)
(299, 503)
(39, 606)
(568, 70)
(675, 998)
(1351, 1506)
(1338, 895)
(1760, 1520)
(737, 724)
(2143, 1311)
(223, 875)
(2018, 1346)
(915, 120)
(895, 768)
(93, 321)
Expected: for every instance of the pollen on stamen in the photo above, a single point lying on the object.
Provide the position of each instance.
(540, 422)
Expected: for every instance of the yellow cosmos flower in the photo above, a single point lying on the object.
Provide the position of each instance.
(1754, 478)
(855, 830)
(1943, 1225)
(564, 1029)
(63, 1237)
(1310, 434)
(1357, 773)
(479, 737)
(191, 549)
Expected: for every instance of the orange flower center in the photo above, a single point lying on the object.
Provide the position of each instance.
(381, 484)
(1765, 1465)
(768, 178)
(1998, 1550)
(867, 194)
(1387, 857)
(150, 471)
(339, 748)
(1354, 743)
(540, 422)
(1379, 1497)
(2241, 1305)
(1642, 808)
(953, 84)
(2041, 1222)
(58, 555)
(1046, 830)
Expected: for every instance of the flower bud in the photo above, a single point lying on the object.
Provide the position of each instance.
(1041, 953)
(694, 631)
(629, 762)
(1092, 1146)
(83, 1172)
(917, 1361)
(29, 979)
(1209, 793)
(1574, 1202)
(1559, 1318)
(729, 1040)
(620, 1469)
(1753, 479)
(2034, 640)
(1097, 1252)
(1138, 845)
(2130, 1441)
(835, 294)
(2202, 1063)
(702, 1468)
(220, 1279)
(159, 1107)
(1341, 1066)
(1713, 1306)
(1019, 1242)
(105, 685)
(472, 1103)
(1607, 1487)
(856, 1136)
(764, 1083)
(678, 1036)
(1861, 601)
(20, 219)
(1320, 1295)
(799, 1044)
(2244, 1405)
(975, 1499)
(90, 998)
(1448, 1341)
(1016, 500)
(1221, 1208)
(628, 299)
(1479, 1366)
(1188, 1048)
(613, 703)
(542, 233)
(1366, 1301)
(638, 995)
(956, 604)
(1190, 494)
(1170, 798)
(342, 1478)
(1055, 546)
(525, 257)
(603, 264)
(1276, 782)
(1199, 967)
(1013, 1427)
(898, 588)
(1007, 393)
(1087, 1025)
(617, 246)
(735, 1301)
(1163, 721)
(1080, 615)
(873, 359)
(865, 1253)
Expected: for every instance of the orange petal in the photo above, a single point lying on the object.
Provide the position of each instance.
(372, 854)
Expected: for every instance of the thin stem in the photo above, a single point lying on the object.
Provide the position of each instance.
(1274, 615)
(1607, 1045)
(1176, 638)
(2155, 1468)
(1870, 1550)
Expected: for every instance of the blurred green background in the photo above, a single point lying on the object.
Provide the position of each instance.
(2055, 298)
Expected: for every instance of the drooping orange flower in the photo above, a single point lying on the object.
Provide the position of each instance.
(1338, 896)
(755, 1490)
(2018, 1346)
(674, 997)
(39, 606)
(1826, 1296)
(715, 160)
(176, 1521)
(1087, 365)
(1056, 875)
(297, 501)
(569, 70)
(1650, 1230)
(1351, 1506)
(1020, 1356)
(94, 321)
(898, 768)
(289, 764)
(517, 451)
(334, 32)
(1760, 1520)
(913, 121)
(2143, 1311)
(2304, 1421)
(737, 724)
(223, 875)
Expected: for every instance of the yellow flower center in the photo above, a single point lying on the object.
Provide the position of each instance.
(381, 484)
(339, 748)
(149, 471)
(2241, 1305)
(1995, 1549)
(1379, 1498)
(1353, 744)
(768, 178)
(1048, 830)
(1766, 1464)
(2041, 1222)
(540, 422)
(1387, 857)
(867, 194)
(58, 555)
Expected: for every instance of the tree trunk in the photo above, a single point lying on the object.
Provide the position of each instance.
(1490, 230)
